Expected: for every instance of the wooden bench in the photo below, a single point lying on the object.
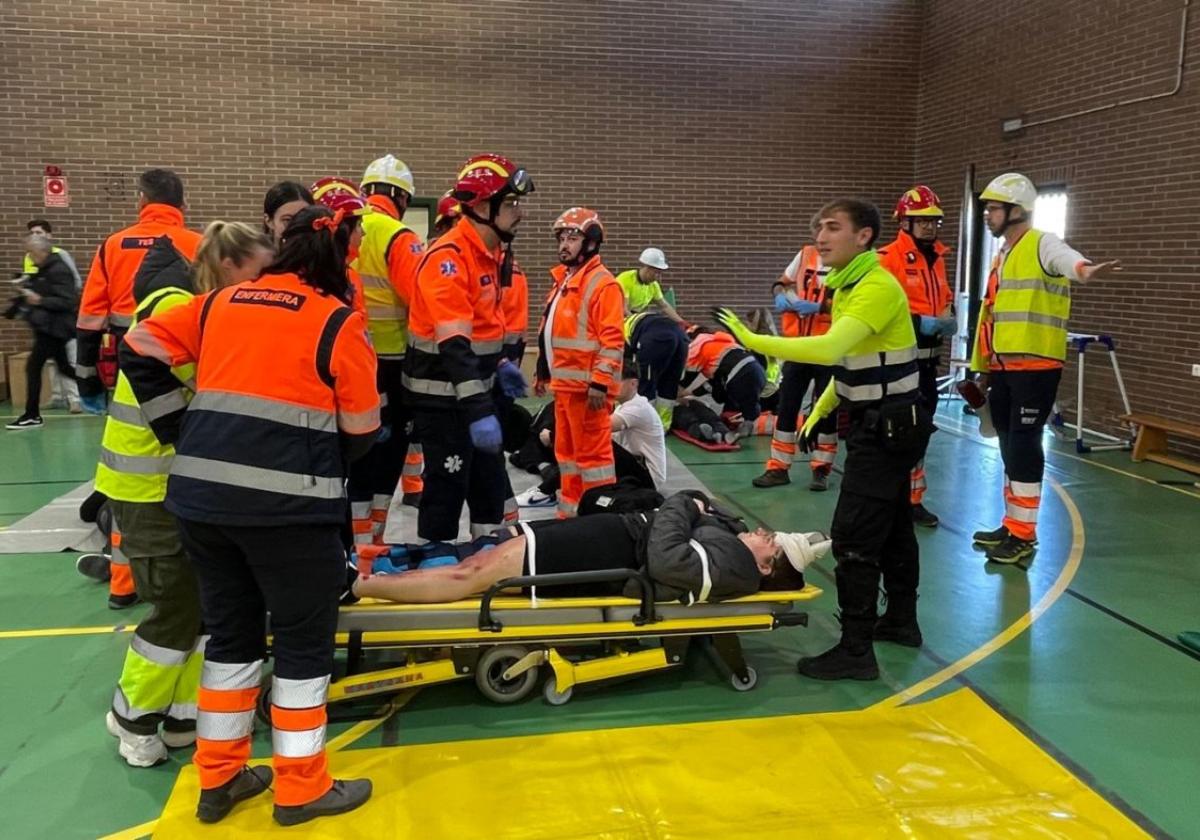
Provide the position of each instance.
(1151, 443)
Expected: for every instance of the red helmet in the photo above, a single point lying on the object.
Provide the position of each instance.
(486, 176)
(447, 208)
(340, 194)
(583, 220)
(919, 201)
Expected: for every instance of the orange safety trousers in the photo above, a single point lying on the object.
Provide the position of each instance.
(583, 449)
(1022, 499)
(414, 466)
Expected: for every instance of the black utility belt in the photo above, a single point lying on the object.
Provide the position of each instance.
(900, 424)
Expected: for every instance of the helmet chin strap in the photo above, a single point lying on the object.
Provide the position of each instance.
(1008, 219)
(506, 236)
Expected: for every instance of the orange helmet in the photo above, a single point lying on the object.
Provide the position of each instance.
(447, 208)
(484, 177)
(586, 221)
(919, 201)
(340, 194)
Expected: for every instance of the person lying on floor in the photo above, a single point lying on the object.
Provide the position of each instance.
(690, 548)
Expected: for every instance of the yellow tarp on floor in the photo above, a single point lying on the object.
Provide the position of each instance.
(951, 767)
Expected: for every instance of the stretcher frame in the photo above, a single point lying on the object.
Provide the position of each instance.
(504, 641)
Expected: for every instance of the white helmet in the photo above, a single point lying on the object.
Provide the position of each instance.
(389, 170)
(654, 257)
(1011, 188)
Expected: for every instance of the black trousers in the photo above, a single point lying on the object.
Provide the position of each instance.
(793, 386)
(295, 572)
(626, 463)
(456, 472)
(1021, 402)
(661, 351)
(872, 527)
(45, 347)
(927, 370)
(378, 472)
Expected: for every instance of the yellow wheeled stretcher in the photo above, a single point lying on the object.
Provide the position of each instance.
(504, 640)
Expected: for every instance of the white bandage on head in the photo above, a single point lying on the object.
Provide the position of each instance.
(803, 549)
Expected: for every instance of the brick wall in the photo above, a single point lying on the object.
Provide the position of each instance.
(1132, 173)
(712, 129)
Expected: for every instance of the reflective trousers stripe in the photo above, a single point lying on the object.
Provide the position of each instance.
(158, 681)
(783, 450)
(1022, 500)
(916, 483)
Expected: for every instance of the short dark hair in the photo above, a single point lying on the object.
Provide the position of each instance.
(162, 186)
(862, 214)
(39, 223)
(783, 577)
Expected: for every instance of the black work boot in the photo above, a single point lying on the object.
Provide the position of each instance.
(852, 658)
(216, 803)
(342, 797)
(923, 516)
(899, 625)
(990, 537)
(772, 478)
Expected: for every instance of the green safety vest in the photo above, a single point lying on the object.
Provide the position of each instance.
(387, 315)
(133, 464)
(29, 266)
(1032, 307)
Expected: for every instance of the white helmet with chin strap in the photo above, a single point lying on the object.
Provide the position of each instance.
(1011, 188)
(389, 170)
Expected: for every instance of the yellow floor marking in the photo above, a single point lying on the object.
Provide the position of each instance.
(1017, 627)
(133, 833)
(66, 631)
(948, 767)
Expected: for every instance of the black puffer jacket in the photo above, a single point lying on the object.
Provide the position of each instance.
(693, 556)
(54, 314)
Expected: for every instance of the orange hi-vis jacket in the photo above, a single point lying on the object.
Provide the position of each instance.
(285, 397)
(706, 351)
(456, 325)
(924, 284)
(581, 335)
(808, 286)
(108, 291)
(515, 303)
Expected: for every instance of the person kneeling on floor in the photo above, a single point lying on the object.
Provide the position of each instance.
(691, 549)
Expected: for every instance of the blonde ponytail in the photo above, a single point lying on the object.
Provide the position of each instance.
(224, 241)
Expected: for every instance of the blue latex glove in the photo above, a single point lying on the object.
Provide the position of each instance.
(937, 326)
(782, 303)
(806, 307)
(385, 433)
(512, 381)
(94, 404)
(485, 434)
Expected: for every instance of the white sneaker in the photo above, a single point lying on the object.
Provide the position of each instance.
(137, 750)
(534, 498)
(178, 739)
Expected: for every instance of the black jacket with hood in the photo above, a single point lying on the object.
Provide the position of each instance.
(54, 314)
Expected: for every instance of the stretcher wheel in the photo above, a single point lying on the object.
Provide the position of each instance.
(749, 683)
(551, 693)
(489, 675)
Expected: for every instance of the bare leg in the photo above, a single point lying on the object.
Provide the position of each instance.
(448, 583)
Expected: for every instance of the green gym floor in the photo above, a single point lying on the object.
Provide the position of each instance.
(1078, 651)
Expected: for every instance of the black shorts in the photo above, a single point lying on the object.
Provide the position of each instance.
(584, 544)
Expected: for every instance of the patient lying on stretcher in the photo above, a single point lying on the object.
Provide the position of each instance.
(690, 548)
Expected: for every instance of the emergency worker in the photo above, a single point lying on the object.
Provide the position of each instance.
(161, 675)
(580, 350)
(642, 289)
(717, 363)
(1020, 345)
(917, 258)
(872, 345)
(456, 337)
(285, 398)
(448, 211)
(659, 348)
(107, 304)
(802, 303)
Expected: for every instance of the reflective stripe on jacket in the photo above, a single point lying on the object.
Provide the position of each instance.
(285, 395)
(581, 330)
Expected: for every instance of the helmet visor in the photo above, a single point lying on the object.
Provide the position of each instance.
(520, 182)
